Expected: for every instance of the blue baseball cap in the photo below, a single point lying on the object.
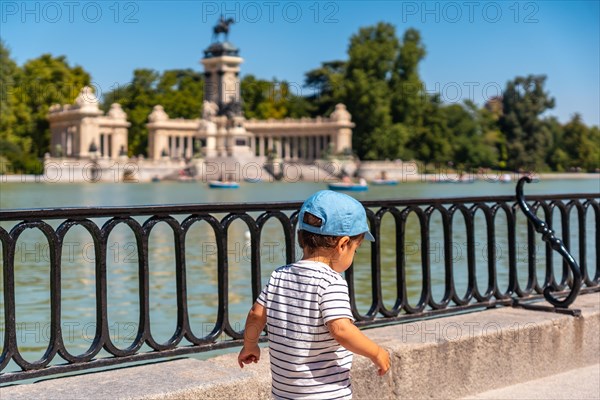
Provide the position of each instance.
(341, 214)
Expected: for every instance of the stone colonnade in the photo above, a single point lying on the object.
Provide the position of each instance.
(303, 139)
(82, 129)
(172, 138)
(291, 147)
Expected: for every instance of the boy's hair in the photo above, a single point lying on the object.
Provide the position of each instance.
(314, 241)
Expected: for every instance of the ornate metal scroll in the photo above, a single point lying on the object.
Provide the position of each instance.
(557, 245)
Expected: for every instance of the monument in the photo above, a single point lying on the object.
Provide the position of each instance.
(222, 136)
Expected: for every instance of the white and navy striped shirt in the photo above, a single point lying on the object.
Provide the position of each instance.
(306, 361)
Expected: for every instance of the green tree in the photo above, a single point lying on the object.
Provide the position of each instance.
(527, 137)
(390, 142)
(409, 99)
(580, 143)
(591, 159)
(137, 100)
(325, 85)
(180, 92)
(49, 80)
(15, 119)
(492, 139)
(432, 142)
(263, 99)
(255, 92)
(472, 136)
(275, 104)
(556, 157)
(299, 106)
(372, 55)
(27, 94)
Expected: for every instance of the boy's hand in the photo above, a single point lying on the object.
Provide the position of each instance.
(349, 336)
(382, 361)
(249, 354)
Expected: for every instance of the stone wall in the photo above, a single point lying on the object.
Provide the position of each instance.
(440, 358)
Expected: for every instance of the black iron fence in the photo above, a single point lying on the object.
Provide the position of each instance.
(582, 208)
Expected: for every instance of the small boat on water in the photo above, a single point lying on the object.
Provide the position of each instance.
(223, 185)
(351, 187)
(381, 182)
(253, 180)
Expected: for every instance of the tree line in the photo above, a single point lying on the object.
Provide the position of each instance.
(379, 82)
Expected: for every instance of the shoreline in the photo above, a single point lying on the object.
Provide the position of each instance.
(439, 177)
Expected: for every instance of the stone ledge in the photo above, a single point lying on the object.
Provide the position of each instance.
(439, 358)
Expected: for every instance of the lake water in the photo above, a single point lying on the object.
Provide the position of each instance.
(38, 195)
(78, 279)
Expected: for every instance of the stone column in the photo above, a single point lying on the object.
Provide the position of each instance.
(221, 140)
(287, 148)
(122, 140)
(295, 147)
(154, 144)
(252, 139)
(100, 145)
(229, 143)
(114, 143)
(88, 131)
(319, 146)
(343, 139)
(190, 147)
(106, 145)
(261, 146)
(68, 148)
(211, 145)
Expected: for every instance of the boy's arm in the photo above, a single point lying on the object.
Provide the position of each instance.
(255, 323)
(349, 336)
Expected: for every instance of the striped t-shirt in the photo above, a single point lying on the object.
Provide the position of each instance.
(306, 361)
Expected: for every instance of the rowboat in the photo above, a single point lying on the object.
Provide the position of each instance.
(253, 180)
(381, 182)
(223, 185)
(351, 187)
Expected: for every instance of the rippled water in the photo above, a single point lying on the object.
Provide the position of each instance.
(78, 265)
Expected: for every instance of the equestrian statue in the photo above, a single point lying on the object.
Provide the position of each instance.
(222, 27)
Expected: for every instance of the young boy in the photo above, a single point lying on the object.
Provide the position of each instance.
(306, 306)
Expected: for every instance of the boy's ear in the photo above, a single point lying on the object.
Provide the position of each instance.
(343, 242)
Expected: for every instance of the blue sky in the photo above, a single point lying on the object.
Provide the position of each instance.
(473, 47)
